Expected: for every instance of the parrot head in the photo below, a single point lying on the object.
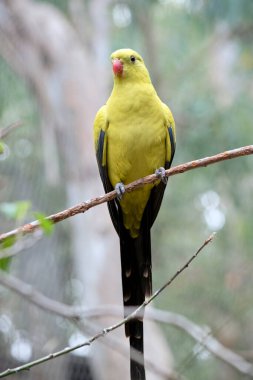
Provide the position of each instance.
(128, 64)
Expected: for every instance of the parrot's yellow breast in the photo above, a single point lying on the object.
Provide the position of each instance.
(136, 146)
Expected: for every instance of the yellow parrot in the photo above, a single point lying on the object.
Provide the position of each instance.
(134, 135)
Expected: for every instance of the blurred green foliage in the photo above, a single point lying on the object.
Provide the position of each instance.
(203, 55)
(15, 210)
(46, 225)
(1, 148)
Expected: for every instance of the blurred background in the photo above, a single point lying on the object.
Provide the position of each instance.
(54, 75)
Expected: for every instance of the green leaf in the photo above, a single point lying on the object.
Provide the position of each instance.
(46, 225)
(8, 242)
(4, 263)
(1, 147)
(22, 209)
(15, 210)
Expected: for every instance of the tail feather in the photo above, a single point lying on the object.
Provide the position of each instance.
(137, 369)
(136, 284)
(136, 275)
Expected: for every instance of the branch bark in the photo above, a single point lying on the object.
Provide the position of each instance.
(73, 313)
(28, 292)
(85, 206)
(7, 130)
(32, 296)
(77, 314)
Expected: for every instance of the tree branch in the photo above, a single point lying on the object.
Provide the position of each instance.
(85, 206)
(203, 336)
(7, 130)
(117, 345)
(76, 314)
(135, 314)
(31, 296)
(21, 245)
(28, 292)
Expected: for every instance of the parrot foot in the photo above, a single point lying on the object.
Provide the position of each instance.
(120, 190)
(160, 173)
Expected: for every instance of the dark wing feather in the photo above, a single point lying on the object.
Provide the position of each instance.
(112, 206)
(157, 192)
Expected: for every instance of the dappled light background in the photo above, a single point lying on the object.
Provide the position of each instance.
(200, 57)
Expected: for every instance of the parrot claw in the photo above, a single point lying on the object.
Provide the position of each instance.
(120, 190)
(161, 174)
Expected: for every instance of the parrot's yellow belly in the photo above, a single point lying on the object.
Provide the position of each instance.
(135, 148)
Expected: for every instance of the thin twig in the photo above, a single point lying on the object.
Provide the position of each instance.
(21, 245)
(28, 292)
(116, 344)
(76, 314)
(85, 206)
(107, 330)
(7, 130)
(135, 314)
(202, 335)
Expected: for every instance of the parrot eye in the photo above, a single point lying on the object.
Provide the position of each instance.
(132, 58)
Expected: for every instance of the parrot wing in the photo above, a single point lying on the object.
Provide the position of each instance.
(151, 211)
(100, 128)
(157, 192)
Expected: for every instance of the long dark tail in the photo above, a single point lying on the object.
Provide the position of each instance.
(137, 368)
(136, 283)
